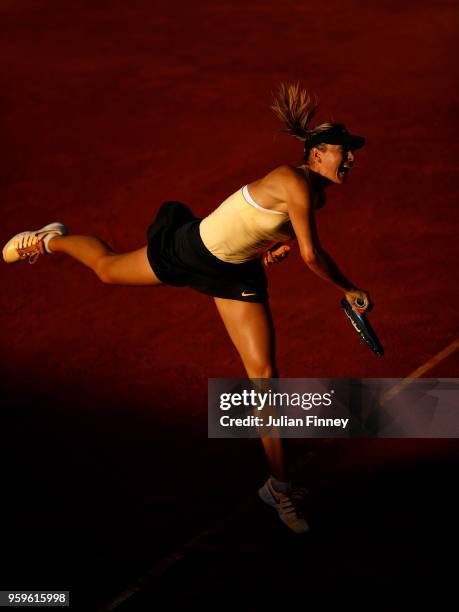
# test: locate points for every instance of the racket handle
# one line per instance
(360, 303)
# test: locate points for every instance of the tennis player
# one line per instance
(225, 255)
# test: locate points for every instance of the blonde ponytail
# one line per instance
(295, 107)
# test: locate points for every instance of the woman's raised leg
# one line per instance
(131, 268)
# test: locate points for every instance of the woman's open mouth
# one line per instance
(344, 170)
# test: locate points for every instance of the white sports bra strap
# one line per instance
(250, 200)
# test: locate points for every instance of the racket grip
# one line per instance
(359, 303)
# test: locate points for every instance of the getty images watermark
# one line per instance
(257, 401)
(307, 408)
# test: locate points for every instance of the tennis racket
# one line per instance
(362, 326)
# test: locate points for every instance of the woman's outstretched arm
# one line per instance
(297, 194)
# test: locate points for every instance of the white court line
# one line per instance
(441, 356)
(162, 566)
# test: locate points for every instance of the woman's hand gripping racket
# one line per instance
(275, 254)
(362, 325)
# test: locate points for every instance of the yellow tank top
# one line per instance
(240, 230)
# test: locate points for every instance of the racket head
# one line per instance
(362, 326)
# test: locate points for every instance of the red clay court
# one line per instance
(108, 110)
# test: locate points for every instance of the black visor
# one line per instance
(335, 135)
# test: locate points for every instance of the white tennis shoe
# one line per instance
(288, 506)
(30, 245)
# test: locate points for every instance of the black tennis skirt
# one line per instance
(179, 258)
